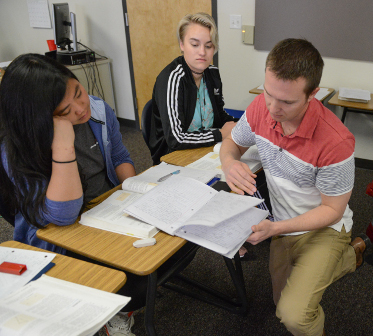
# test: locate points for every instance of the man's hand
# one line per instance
(239, 177)
(227, 129)
(261, 232)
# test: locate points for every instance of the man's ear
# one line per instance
(313, 94)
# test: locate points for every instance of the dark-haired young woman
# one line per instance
(59, 147)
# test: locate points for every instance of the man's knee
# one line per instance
(300, 320)
(290, 315)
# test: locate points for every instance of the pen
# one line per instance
(168, 175)
(213, 181)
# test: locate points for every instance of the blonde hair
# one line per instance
(202, 19)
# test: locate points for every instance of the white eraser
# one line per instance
(144, 242)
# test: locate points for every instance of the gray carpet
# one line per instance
(347, 303)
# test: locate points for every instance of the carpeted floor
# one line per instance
(347, 303)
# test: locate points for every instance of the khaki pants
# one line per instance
(301, 268)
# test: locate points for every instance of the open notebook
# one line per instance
(109, 214)
(189, 209)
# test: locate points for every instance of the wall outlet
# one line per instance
(235, 21)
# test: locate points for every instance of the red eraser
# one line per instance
(12, 268)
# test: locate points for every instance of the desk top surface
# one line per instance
(186, 156)
(111, 248)
(115, 249)
(344, 103)
(79, 271)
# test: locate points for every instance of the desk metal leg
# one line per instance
(237, 305)
(238, 281)
(150, 304)
(344, 115)
(234, 305)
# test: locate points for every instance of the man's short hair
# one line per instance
(293, 58)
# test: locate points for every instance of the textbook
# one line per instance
(50, 306)
(109, 215)
(211, 161)
(190, 209)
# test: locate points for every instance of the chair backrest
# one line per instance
(5, 213)
(146, 119)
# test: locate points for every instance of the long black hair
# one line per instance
(32, 87)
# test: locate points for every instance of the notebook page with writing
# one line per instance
(226, 237)
(221, 207)
(170, 204)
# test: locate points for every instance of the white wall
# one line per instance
(242, 69)
(100, 26)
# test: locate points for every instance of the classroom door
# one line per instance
(153, 41)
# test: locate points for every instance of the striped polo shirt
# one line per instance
(317, 158)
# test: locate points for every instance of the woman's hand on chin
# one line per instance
(63, 139)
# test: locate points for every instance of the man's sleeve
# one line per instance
(242, 134)
(337, 176)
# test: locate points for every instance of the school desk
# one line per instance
(79, 271)
(116, 250)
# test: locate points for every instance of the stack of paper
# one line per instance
(354, 95)
(50, 306)
(37, 263)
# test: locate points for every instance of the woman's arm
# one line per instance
(65, 184)
(215, 88)
(120, 156)
(125, 170)
(170, 112)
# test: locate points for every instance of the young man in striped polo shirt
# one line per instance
(308, 158)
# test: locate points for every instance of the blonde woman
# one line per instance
(187, 97)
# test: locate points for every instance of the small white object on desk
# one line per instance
(144, 242)
(320, 95)
(354, 95)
